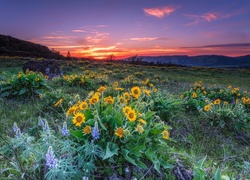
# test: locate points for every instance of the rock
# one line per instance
(181, 173)
(49, 68)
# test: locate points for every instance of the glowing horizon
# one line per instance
(127, 28)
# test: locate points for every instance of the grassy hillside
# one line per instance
(10, 46)
(205, 111)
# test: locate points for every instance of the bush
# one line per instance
(24, 85)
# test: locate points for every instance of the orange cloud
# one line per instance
(159, 12)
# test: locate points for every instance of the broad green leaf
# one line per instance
(149, 115)
(5, 94)
(111, 149)
(150, 154)
(88, 114)
(201, 162)
(23, 90)
(157, 165)
(125, 153)
(217, 175)
(166, 165)
(141, 164)
(78, 134)
(155, 131)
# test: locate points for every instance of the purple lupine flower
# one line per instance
(46, 126)
(18, 132)
(40, 122)
(15, 127)
(96, 132)
(65, 131)
(51, 161)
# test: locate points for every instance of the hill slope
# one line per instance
(10, 46)
(204, 60)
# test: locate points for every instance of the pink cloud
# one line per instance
(78, 30)
(159, 12)
(143, 39)
(208, 17)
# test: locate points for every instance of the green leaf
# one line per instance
(149, 115)
(6, 88)
(217, 175)
(150, 154)
(201, 162)
(23, 90)
(157, 165)
(166, 165)
(111, 149)
(5, 94)
(78, 134)
(125, 153)
(88, 114)
(141, 164)
(155, 131)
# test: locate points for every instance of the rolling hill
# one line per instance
(10, 46)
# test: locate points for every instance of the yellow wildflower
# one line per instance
(136, 92)
(83, 105)
(217, 101)
(194, 95)
(131, 115)
(109, 100)
(139, 128)
(142, 121)
(58, 103)
(78, 119)
(165, 134)
(71, 110)
(207, 107)
(93, 100)
(87, 130)
(119, 132)
(126, 109)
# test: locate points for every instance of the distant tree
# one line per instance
(111, 57)
(68, 56)
(135, 59)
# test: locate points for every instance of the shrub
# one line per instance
(24, 85)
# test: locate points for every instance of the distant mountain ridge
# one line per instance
(10, 46)
(202, 60)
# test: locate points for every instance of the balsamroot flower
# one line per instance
(58, 103)
(96, 132)
(83, 105)
(87, 130)
(165, 134)
(131, 115)
(139, 128)
(119, 132)
(65, 131)
(51, 161)
(78, 119)
(136, 92)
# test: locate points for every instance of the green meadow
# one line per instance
(113, 120)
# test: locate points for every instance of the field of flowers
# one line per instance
(107, 120)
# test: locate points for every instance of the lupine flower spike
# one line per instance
(65, 131)
(51, 161)
(95, 132)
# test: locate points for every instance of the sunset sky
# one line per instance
(125, 28)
